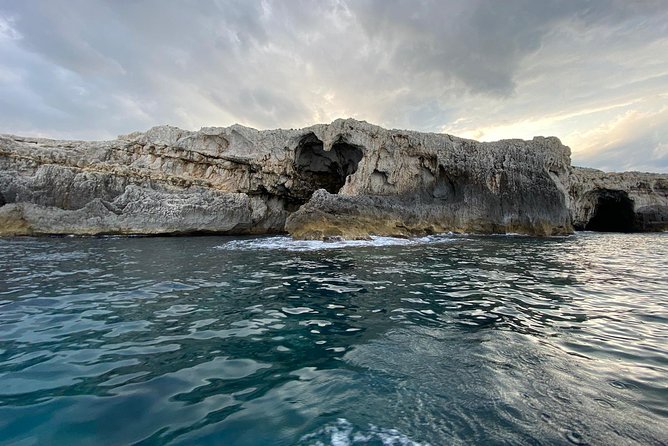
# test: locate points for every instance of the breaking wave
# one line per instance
(289, 244)
(343, 433)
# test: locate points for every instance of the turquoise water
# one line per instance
(265, 341)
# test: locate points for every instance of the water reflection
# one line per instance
(236, 341)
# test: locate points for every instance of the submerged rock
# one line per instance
(346, 179)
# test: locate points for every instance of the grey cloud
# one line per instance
(261, 104)
(480, 43)
(95, 68)
(637, 155)
(644, 151)
(128, 47)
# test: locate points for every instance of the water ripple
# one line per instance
(263, 340)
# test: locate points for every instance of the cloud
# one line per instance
(635, 140)
(477, 68)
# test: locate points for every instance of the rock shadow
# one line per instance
(445, 187)
(613, 212)
(318, 168)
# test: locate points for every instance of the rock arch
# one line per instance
(325, 169)
(612, 212)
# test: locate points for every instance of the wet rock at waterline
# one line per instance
(346, 179)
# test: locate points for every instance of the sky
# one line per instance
(592, 72)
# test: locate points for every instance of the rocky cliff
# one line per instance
(347, 178)
(624, 202)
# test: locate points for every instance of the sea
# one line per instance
(442, 340)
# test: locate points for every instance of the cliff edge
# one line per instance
(348, 178)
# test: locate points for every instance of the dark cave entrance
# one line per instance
(613, 212)
(321, 169)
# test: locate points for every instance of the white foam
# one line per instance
(290, 244)
(343, 433)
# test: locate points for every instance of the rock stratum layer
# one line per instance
(348, 178)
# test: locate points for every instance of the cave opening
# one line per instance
(322, 169)
(613, 212)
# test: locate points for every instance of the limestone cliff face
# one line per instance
(347, 178)
(626, 202)
(410, 183)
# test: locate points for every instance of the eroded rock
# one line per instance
(345, 179)
(619, 202)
